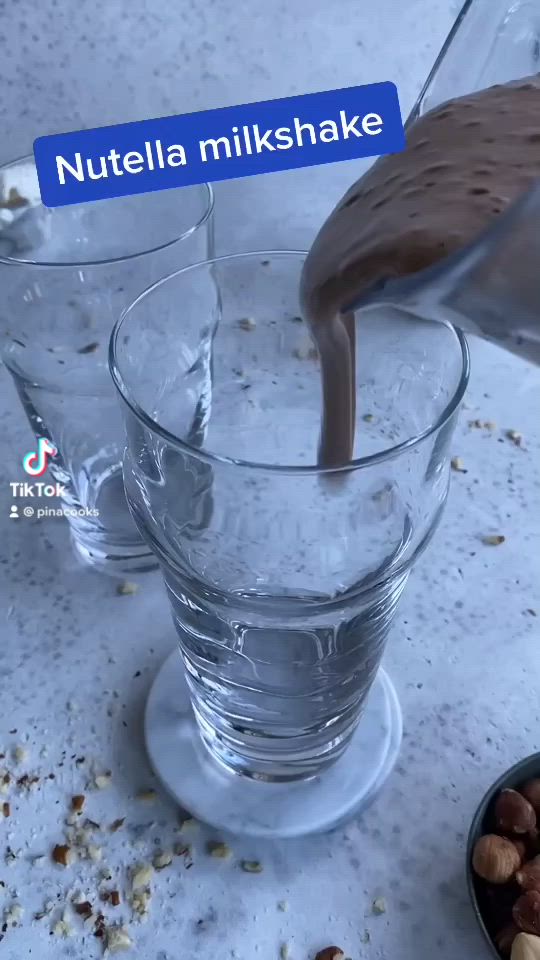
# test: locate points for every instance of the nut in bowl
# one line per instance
(503, 863)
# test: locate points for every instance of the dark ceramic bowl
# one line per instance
(479, 891)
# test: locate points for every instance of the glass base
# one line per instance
(114, 559)
(247, 807)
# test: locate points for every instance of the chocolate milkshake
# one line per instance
(465, 163)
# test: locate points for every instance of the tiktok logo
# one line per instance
(36, 462)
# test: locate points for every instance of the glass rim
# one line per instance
(107, 261)
(454, 29)
(207, 456)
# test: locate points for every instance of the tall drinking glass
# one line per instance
(65, 276)
(283, 577)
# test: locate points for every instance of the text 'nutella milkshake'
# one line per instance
(465, 163)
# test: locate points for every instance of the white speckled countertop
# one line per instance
(77, 660)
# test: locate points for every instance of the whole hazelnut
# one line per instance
(528, 876)
(495, 859)
(526, 912)
(531, 792)
(521, 848)
(505, 938)
(513, 813)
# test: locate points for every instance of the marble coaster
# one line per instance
(254, 808)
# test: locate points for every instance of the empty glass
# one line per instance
(283, 578)
(65, 276)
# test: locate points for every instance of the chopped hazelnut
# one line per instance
(20, 754)
(13, 915)
(84, 909)
(6, 809)
(515, 437)
(62, 854)
(493, 539)
(379, 906)
(162, 860)
(126, 589)
(114, 898)
(94, 853)
(77, 802)
(182, 850)
(219, 850)
(251, 866)
(140, 901)
(147, 796)
(103, 780)
(141, 876)
(117, 824)
(247, 323)
(117, 939)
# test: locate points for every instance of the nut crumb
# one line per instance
(13, 915)
(366, 937)
(305, 353)
(46, 911)
(84, 909)
(117, 939)
(182, 850)
(140, 901)
(379, 906)
(103, 780)
(162, 860)
(515, 437)
(330, 953)
(62, 928)
(490, 425)
(89, 348)
(39, 861)
(14, 200)
(77, 802)
(6, 809)
(251, 866)
(368, 418)
(284, 951)
(493, 539)
(94, 853)
(147, 796)
(117, 824)
(141, 876)
(219, 850)
(20, 754)
(5, 780)
(457, 464)
(126, 588)
(189, 823)
(62, 854)
(247, 323)
(89, 826)
(283, 905)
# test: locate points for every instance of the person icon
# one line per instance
(14, 512)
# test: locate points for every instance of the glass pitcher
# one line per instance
(489, 287)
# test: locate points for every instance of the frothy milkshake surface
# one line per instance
(465, 163)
